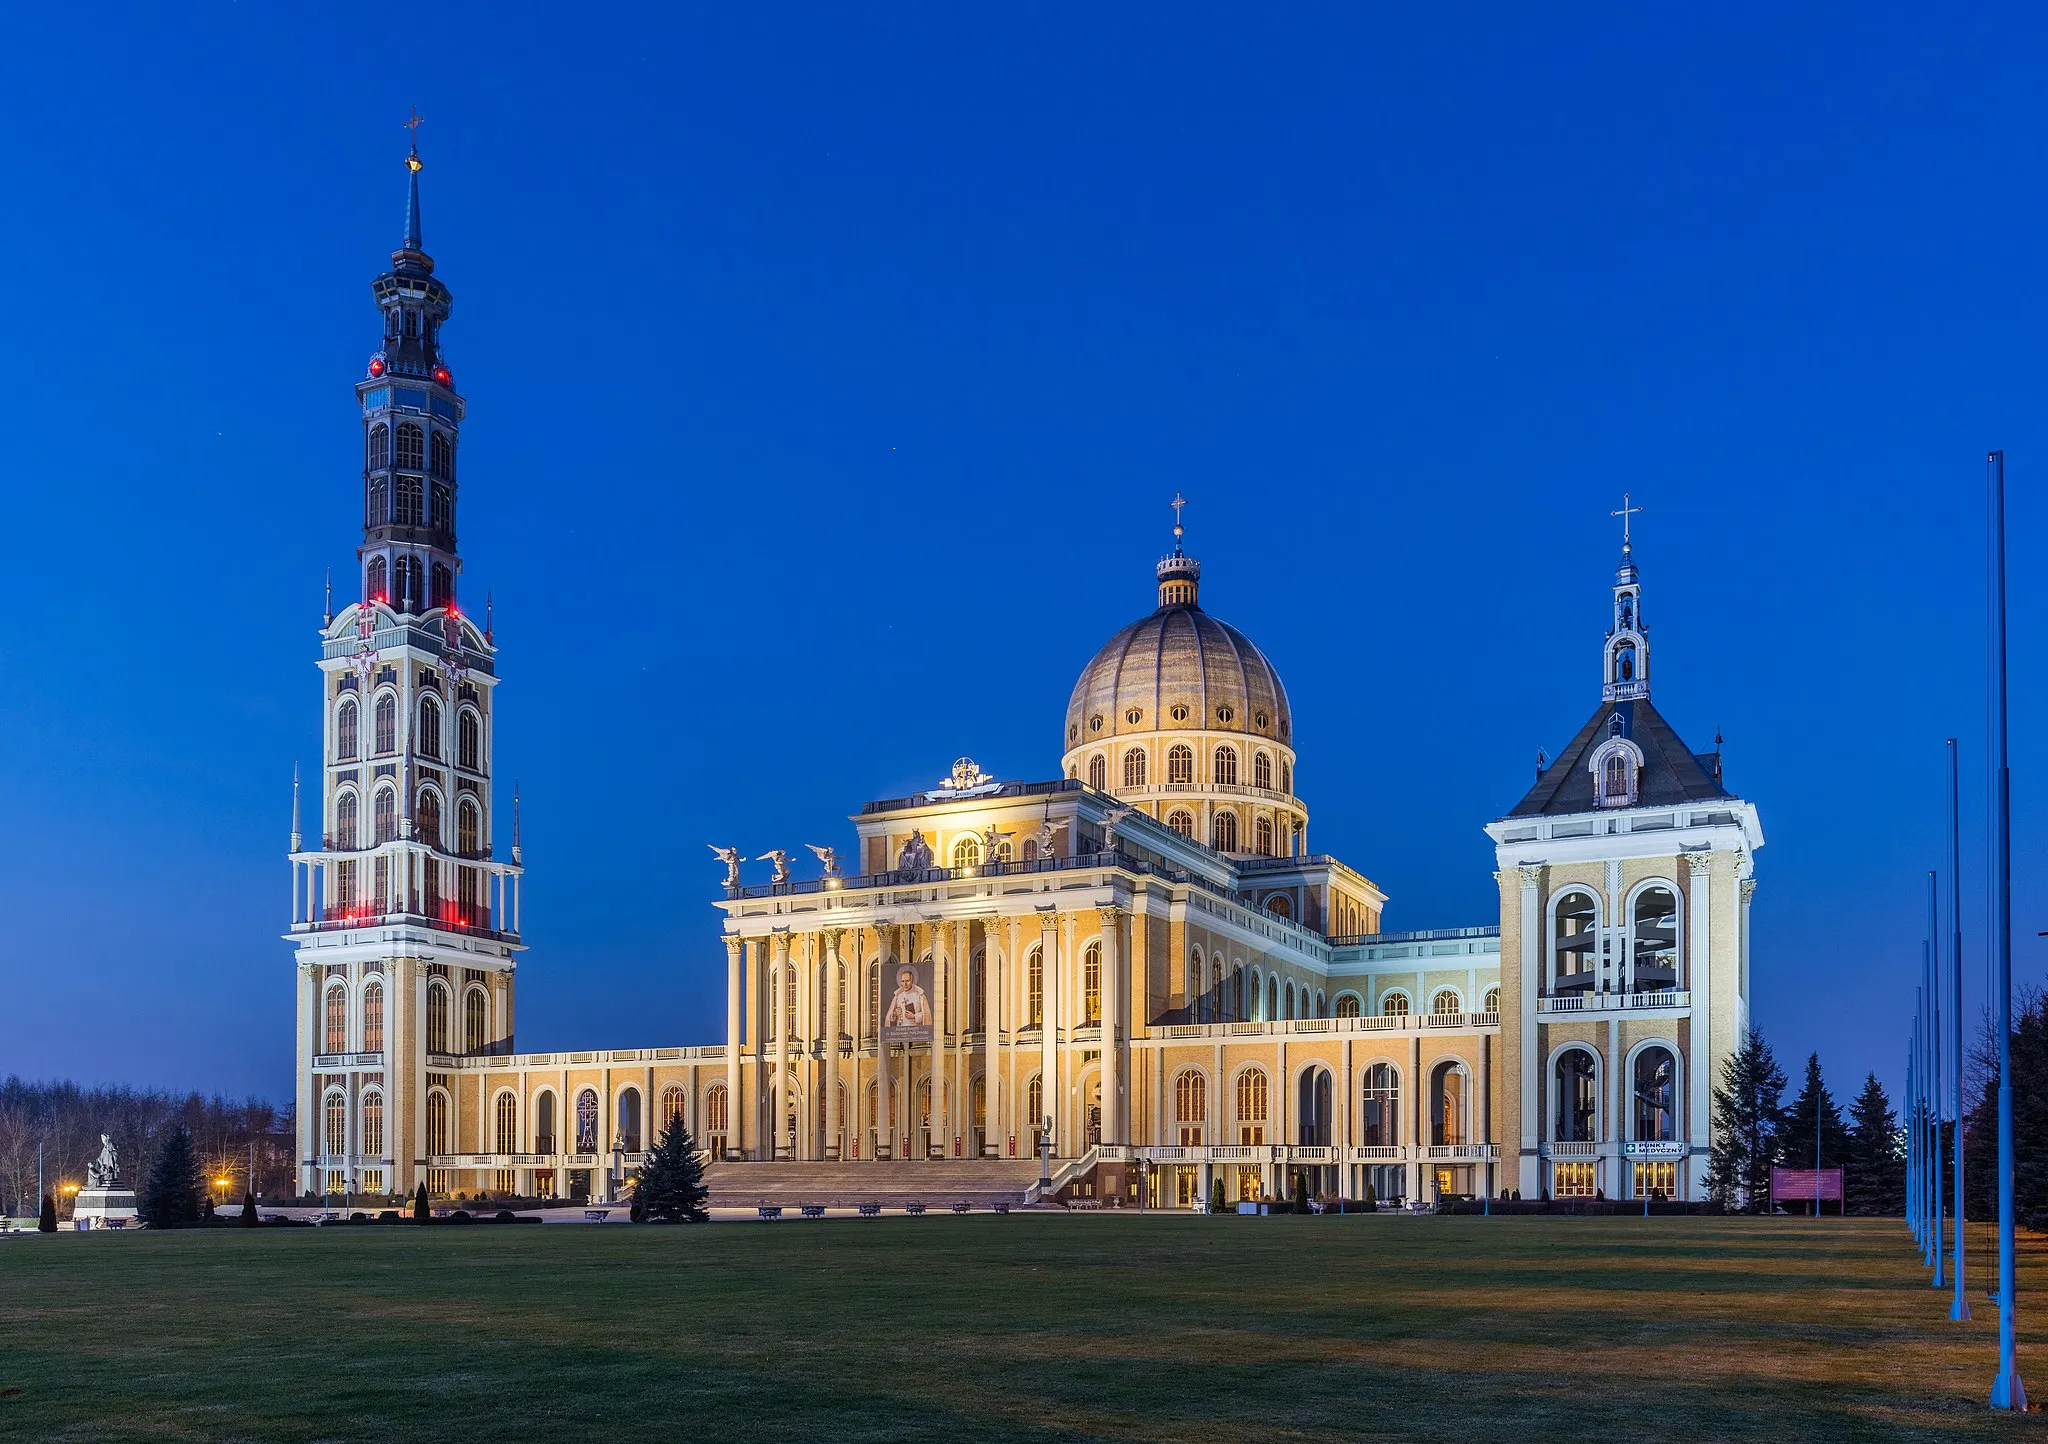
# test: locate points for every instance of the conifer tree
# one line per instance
(249, 1218)
(1876, 1183)
(1748, 1118)
(46, 1222)
(420, 1212)
(1796, 1141)
(171, 1197)
(669, 1186)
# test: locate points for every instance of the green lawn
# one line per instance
(1027, 1327)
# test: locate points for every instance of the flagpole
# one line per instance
(1934, 1050)
(1959, 1311)
(2007, 1390)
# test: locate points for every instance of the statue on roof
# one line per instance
(781, 860)
(732, 857)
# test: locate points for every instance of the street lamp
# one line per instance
(1045, 1158)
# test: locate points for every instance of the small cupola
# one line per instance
(1180, 575)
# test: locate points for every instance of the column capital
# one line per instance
(778, 942)
(832, 937)
(1748, 888)
(1696, 863)
(1531, 874)
(1110, 913)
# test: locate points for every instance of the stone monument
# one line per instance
(103, 1203)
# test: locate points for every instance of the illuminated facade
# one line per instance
(1137, 964)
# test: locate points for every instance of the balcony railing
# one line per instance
(1616, 1002)
(1396, 1023)
(471, 921)
(1571, 1150)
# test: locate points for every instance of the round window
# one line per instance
(1180, 711)
(1133, 716)
(1259, 718)
(1095, 723)
(1226, 715)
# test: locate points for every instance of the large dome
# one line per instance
(1178, 669)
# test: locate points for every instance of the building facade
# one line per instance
(1137, 967)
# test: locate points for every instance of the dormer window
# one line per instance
(1615, 782)
(1617, 768)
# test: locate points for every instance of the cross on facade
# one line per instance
(1625, 513)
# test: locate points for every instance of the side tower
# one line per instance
(406, 923)
(1625, 879)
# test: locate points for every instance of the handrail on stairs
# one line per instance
(1065, 1174)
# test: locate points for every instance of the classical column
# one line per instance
(1048, 1026)
(885, 1130)
(991, 1028)
(1112, 1024)
(1529, 1038)
(962, 1125)
(1482, 1107)
(1418, 1152)
(834, 1151)
(734, 948)
(942, 1003)
(778, 1017)
(1066, 1132)
(1699, 977)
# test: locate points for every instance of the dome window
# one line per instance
(1259, 719)
(1226, 715)
(1134, 716)
(1073, 732)
(1180, 712)
(1095, 723)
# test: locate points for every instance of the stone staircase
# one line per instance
(936, 1183)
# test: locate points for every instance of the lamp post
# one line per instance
(2007, 1392)
(1045, 1157)
(1960, 1309)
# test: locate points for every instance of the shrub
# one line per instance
(47, 1221)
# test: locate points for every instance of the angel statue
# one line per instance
(781, 860)
(1048, 833)
(992, 843)
(1110, 825)
(103, 1172)
(829, 856)
(732, 857)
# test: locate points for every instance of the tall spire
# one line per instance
(1180, 575)
(413, 165)
(1625, 662)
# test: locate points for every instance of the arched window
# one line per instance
(1134, 767)
(1098, 772)
(1615, 774)
(544, 1139)
(411, 446)
(430, 727)
(1262, 770)
(377, 507)
(628, 1136)
(1263, 831)
(840, 1025)
(387, 723)
(443, 588)
(466, 828)
(468, 739)
(1447, 1105)
(1280, 906)
(1182, 823)
(372, 1139)
(408, 494)
(437, 1124)
(345, 730)
(375, 589)
(1287, 778)
(1251, 1106)
(789, 1001)
(1190, 1108)
(1380, 1117)
(586, 1121)
(1574, 940)
(1625, 663)
(429, 817)
(1289, 1014)
(408, 576)
(441, 517)
(373, 1017)
(1444, 1003)
(1223, 832)
(671, 1106)
(1347, 1005)
(1492, 1003)
(1656, 1096)
(1314, 1106)
(335, 1123)
(1655, 943)
(506, 1123)
(385, 813)
(335, 1034)
(1578, 1097)
(1272, 998)
(474, 1005)
(380, 447)
(437, 1017)
(967, 853)
(345, 831)
(1034, 989)
(1180, 766)
(714, 1120)
(1226, 766)
(1394, 1005)
(1091, 984)
(1034, 1104)
(441, 456)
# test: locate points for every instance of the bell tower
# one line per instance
(405, 918)
(1626, 660)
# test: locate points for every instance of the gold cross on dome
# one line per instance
(414, 124)
(1625, 513)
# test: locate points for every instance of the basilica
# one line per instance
(1132, 979)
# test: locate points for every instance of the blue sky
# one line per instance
(828, 375)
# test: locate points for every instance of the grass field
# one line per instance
(1027, 1327)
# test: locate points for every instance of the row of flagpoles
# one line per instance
(1934, 1055)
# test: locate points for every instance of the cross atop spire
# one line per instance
(1180, 575)
(1179, 531)
(1625, 513)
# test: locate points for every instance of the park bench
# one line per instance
(915, 1210)
(813, 1210)
(596, 1215)
(1001, 1206)
(1074, 1203)
(770, 1210)
(870, 1210)
(962, 1207)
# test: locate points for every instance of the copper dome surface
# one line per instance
(1178, 657)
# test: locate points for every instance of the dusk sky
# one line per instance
(829, 375)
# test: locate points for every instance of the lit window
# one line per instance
(1251, 1106)
(437, 1017)
(1444, 1003)
(967, 853)
(373, 1018)
(1226, 766)
(373, 1125)
(337, 1019)
(1264, 830)
(437, 1123)
(466, 828)
(1034, 990)
(1262, 770)
(1134, 767)
(1394, 1005)
(1190, 1108)
(1347, 1005)
(505, 1114)
(1180, 767)
(1091, 984)
(336, 1123)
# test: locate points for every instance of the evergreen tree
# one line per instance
(669, 1186)
(1749, 1115)
(1876, 1182)
(421, 1213)
(249, 1218)
(47, 1222)
(1300, 1193)
(1795, 1142)
(171, 1197)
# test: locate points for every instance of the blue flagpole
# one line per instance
(1934, 1070)
(1913, 1123)
(2007, 1391)
(1960, 1309)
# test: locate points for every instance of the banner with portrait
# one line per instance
(907, 1002)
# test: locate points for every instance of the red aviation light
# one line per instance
(376, 366)
(441, 375)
